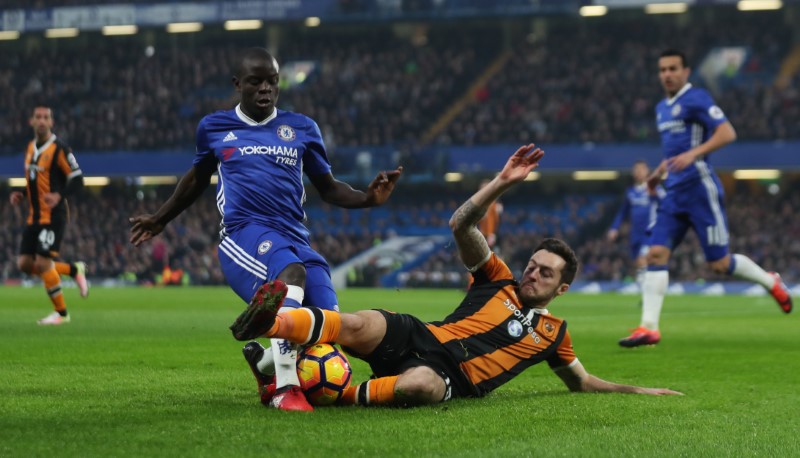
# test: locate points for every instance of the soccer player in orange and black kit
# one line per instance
(52, 174)
(501, 328)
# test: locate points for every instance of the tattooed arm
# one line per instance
(472, 246)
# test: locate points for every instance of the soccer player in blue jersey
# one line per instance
(260, 154)
(639, 206)
(692, 126)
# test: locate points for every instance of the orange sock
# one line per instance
(52, 281)
(306, 325)
(379, 391)
(63, 268)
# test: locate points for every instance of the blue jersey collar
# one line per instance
(250, 122)
(683, 90)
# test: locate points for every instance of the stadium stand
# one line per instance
(374, 90)
(763, 225)
(570, 80)
(579, 82)
(40, 4)
(596, 83)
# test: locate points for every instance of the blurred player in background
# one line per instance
(260, 154)
(501, 328)
(489, 225)
(639, 206)
(692, 126)
(52, 174)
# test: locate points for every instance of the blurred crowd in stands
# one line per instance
(766, 227)
(565, 80)
(39, 4)
(368, 89)
(378, 90)
(763, 226)
(595, 84)
(570, 80)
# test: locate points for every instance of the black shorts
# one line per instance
(407, 344)
(42, 239)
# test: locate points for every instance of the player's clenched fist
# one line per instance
(16, 198)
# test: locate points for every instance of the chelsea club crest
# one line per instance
(286, 133)
(264, 247)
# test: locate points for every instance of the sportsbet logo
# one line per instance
(522, 320)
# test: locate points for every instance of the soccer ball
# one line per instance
(324, 374)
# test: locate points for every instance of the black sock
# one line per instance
(62, 312)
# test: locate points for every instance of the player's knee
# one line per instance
(294, 274)
(362, 331)
(354, 323)
(657, 255)
(42, 264)
(25, 264)
(420, 385)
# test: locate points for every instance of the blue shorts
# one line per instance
(699, 205)
(639, 248)
(253, 255)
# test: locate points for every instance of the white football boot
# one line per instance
(53, 319)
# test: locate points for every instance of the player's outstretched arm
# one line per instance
(341, 194)
(472, 245)
(193, 183)
(578, 380)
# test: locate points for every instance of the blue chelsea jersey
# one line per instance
(685, 121)
(260, 166)
(640, 206)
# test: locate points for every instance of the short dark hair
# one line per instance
(254, 53)
(561, 248)
(672, 52)
(36, 106)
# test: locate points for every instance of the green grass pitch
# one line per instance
(155, 372)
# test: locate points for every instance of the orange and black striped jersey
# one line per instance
(48, 168)
(494, 337)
